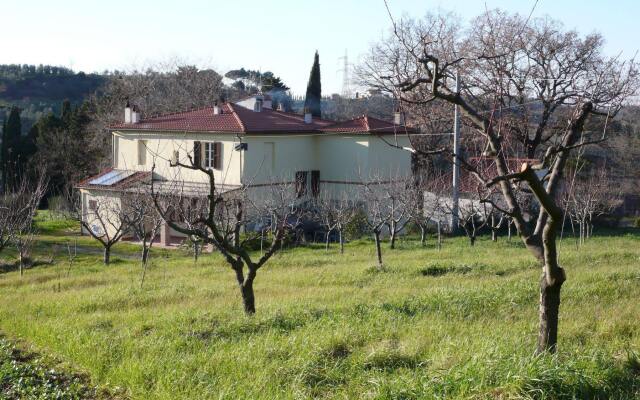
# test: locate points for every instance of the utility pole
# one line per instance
(346, 89)
(455, 196)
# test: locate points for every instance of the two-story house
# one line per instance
(248, 143)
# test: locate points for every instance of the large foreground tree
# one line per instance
(526, 89)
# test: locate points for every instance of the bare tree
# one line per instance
(220, 217)
(427, 204)
(334, 214)
(589, 197)
(375, 205)
(104, 218)
(143, 220)
(471, 218)
(17, 210)
(507, 64)
(496, 219)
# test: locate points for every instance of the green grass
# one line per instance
(456, 323)
(25, 375)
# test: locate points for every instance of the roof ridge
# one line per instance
(235, 114)
(301, 116)
(176, 112)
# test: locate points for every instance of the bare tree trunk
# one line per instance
(341, 242)
(144, 273)
(196, 252)
(145, 252)
(21, 262)
(472, 239)
(509, 230)
(553, 277)
(326, 244)
(392, 235)
(248, 299)
(246, 287)
(423, 236)
(548, 314)
(376, 236)
(439, 236)
(581, 232)
(494, 236)
(107, 255)
(261, 241)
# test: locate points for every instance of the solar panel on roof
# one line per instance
(111, 177)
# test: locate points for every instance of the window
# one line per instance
(213, 155)
(142, 152)
(93, 205)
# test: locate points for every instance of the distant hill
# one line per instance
(41, 89)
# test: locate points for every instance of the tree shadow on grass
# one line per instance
(30, 264)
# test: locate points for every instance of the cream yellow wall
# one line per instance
(388, 161)
(160, 147)
(109, 204)
(276, 158)
(343, 159)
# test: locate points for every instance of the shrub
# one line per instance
(357, 227)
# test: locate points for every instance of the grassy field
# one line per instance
(455, 323)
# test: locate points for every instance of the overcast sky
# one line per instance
(276, 35)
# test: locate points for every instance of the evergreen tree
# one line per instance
(65, 115)
(63, 147)
(314, 89)
(3, 153)
(11, 137)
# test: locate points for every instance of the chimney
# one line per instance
(216, 109)
(307, 116)
(135, 115)
(257, 106)
(398, 117)
(127, 113)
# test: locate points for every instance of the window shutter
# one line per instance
(315, 183)
(197, 154)
(217, 155)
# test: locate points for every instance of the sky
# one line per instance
(276, 35)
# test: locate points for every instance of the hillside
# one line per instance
(41, 89)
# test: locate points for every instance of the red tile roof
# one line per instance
(238, 119)
(367, 124)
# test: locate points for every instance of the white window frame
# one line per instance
(208, 154)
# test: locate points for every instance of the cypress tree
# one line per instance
(11, 140)
(314, 89)
(65, 115)
(4, 153)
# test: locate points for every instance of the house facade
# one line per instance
(248, 144)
